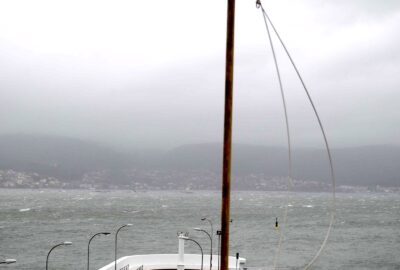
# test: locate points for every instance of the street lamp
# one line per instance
(209, 235)
(48, 254)
(8, 261)
(209, 221)
(201, 249)
(90, 240)
(116, 237)
(219, 243)
(219, 233)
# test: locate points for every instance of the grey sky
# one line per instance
(151, 73)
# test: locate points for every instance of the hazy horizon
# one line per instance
(132, 148)
(151, 75)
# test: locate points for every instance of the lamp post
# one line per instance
(116, 237)
(88, 246)
(219, 243)
(209, 236)
(212, 232)
(48, 254)
(209, 221)
(219, 233)
(201, 249)
(8, 261)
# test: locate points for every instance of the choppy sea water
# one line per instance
(366, 234)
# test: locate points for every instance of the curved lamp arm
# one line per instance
(115, 247)
(88, 247)
(201, 249)
(67, 243)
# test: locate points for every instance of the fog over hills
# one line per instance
(60, 157)
(70, 159)
(367, 165)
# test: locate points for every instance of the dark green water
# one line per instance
(366, 233)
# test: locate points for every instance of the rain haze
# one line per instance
(150, 74)
(111, 123)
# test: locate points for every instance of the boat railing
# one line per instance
(126, 267)
(140, 268)
(265, 268)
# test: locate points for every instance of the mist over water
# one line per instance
(365, 235)
(139, 79)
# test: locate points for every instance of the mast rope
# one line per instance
(332, 172)
(289, 144)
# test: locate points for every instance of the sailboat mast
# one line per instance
(227, 148)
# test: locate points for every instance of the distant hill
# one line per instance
(368, 165)
(60, 157)
(69, 159)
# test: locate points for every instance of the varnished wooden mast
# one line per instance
(226, 169)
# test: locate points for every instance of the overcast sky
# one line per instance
(151, 73)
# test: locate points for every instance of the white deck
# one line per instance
(170, 261)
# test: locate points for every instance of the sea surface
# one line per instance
(366, 234)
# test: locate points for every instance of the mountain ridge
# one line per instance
(70, 159)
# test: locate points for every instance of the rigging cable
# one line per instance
(333, 210)
(290, 167)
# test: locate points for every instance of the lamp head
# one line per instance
(203, 218)
(67, 243)
(105, 233)
(197, 229)
(129, 225)
(8, 261)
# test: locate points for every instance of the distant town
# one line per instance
(175, 180)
